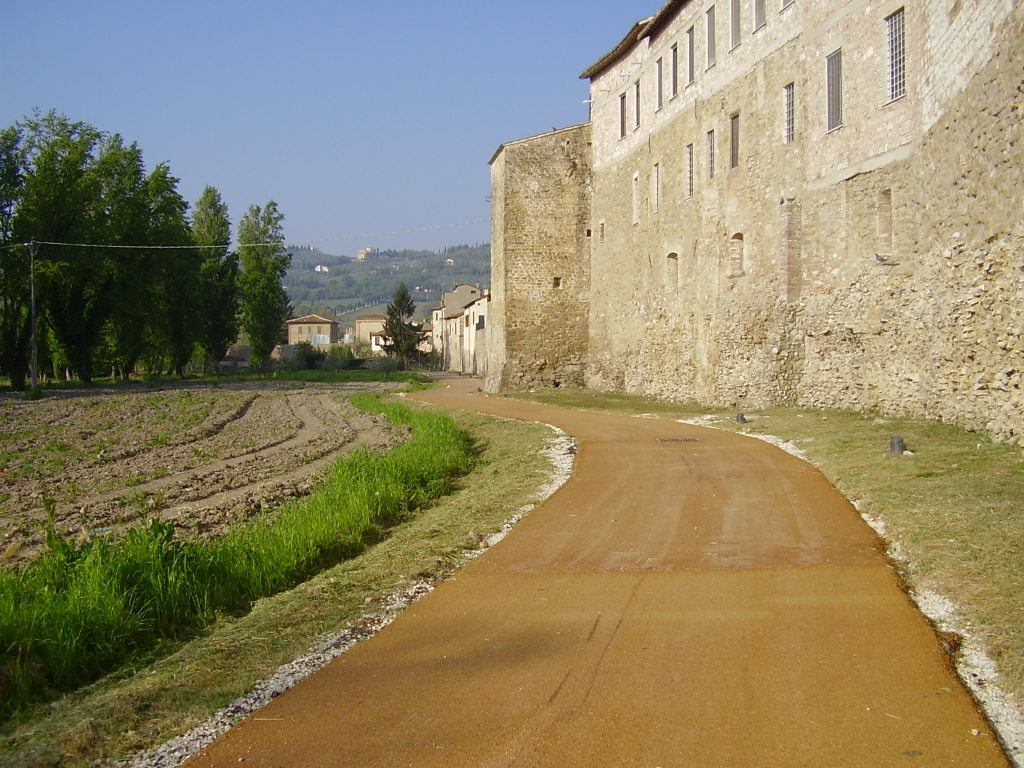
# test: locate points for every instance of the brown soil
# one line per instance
(690, 597)
(198, 455)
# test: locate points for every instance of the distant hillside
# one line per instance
(349, 285)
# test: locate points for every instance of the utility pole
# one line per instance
(34, 358)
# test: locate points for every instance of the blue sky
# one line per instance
(363, 120)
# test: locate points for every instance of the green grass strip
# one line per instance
(86, 609)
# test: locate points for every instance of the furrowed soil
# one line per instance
(200, 455)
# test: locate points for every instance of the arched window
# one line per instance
(672, 272)
(884, 217)
(736, 264)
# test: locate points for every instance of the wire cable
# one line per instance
(365, 236)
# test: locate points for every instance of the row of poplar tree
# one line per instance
(125, 276)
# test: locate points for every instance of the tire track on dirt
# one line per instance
(273, 445)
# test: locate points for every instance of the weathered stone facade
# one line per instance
(540, 261)
(459, 330)
(877, 263)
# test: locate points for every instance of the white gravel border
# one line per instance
(560, 451)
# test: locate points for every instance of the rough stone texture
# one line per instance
(540, 271)
(876, 266)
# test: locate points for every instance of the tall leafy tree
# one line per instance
(121, 180)
(402, 335)
(61, 202)
(264, 263)
(14, 264)
(218, 274)
(178, 301)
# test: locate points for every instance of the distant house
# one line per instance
(379, 340)
(318, 331)
(378, 343)
(426, 344)
(458, 329)
(366, 325)
(236, 359)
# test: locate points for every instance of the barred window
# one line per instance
(636, 104)
(897, 56)
(655, 188)
(789, 113)
(661, 87)
(734, 20)
(711, 36)
(734, 141)
(759, 20)
(834, 89)
(636, 198)
(691, 54)
(711, 153)
(675, 70)
(689, 170)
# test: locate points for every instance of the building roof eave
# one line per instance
(625, 45)
(643, 28)
(501, 148)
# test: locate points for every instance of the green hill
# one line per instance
(347, 286)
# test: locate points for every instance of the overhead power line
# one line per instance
(364, 236)
(150, 247)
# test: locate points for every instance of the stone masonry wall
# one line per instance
(540, 264)
(876, 266)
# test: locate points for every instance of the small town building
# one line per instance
(317, 330)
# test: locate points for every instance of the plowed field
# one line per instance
(202, 456)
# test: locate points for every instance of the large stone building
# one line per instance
(815, 202)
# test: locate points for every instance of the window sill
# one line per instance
(833, 130)
(890, 102)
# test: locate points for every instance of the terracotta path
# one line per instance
(689, 599)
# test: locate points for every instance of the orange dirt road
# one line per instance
(691, 598)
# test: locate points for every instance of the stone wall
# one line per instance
(540, 261)
(876, 266)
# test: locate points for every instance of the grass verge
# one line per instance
(144, 705)
(952, 507)
(85, 609)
